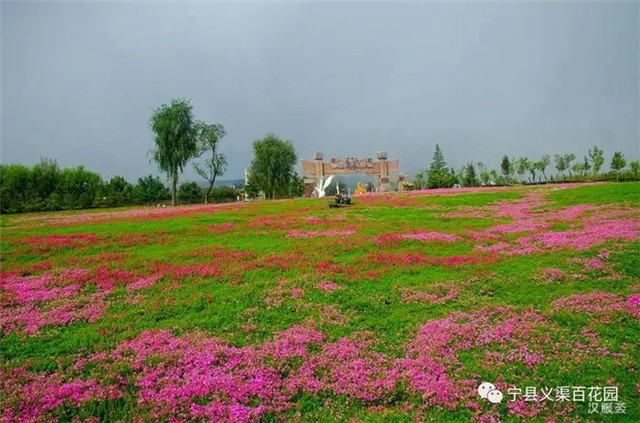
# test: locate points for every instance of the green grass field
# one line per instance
(394, 309)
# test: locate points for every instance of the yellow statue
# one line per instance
(360, 189)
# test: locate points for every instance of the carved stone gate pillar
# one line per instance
(317, 158)
(383, 178)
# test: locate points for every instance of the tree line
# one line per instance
(523, 170)
(48, 187)
(181, 139)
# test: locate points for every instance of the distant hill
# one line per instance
(237, 183)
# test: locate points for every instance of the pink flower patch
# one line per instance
(31, 302)
(36, 289)
(328, 286)
(599, 303)
(30, 318)
(143, 283)
(592, 234)
(49, 242)
(196, 377)
(44, 392)
(594, 264)
(509, 228)
(551, 274)
(633, 304)
(570, 213)
(525, 409)
(297, 292)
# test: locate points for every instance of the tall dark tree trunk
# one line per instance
(174, 185)
(206, 194)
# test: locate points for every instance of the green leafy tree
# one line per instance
(578, 168)
(618, 162)
(560, 164)
(45, 177)
(568, 158)
(485, 176)
(150, 190)
(118, 192)
(459, 175)
(78, 188)
(452, 178)
(493, 175)
(532, 171)
(189, 193)
(296, 188)
(419, 181)
(541, 165)
(586, 165)
(14, 178)
(512, 169)
(224, 194)
(563, 162)
(470, 179)
(438, 175)
(251, 189)
(272, 167)
(505, 167)
(596, 156)
(208, 138)
(175, 138)
(635, 168)
(522, 166)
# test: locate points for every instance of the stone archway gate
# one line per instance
(319, 169)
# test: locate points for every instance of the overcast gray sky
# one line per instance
(79, 81)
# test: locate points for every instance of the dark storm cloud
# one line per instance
(79, 81)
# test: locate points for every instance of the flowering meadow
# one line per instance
(394, 309)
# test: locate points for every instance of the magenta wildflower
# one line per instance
(143, 283)
(327, 286)
(633, 304)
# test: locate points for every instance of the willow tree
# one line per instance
(272, 169)
(216, 164)
(175, 137)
